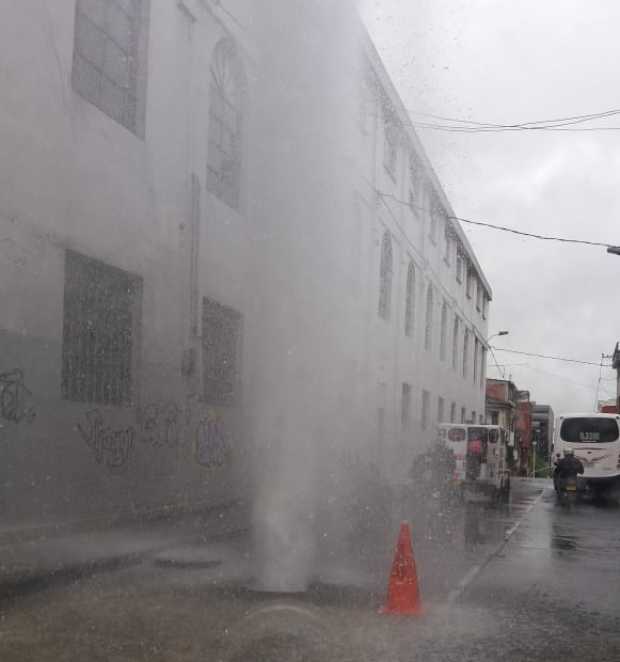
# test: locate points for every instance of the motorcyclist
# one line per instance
(568, 467)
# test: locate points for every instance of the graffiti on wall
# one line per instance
(160, 425)
(112, 448)
(15, 398)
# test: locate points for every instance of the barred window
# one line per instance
(101, 321)
(225, 123)
(386, 270)
(410, 301)
(221, 337)
(109, 58)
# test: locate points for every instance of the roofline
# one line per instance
(390, 89)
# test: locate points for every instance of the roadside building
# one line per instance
(542, 422)
(501, 408)
(524, 433)
(186, 288)
(609, 406)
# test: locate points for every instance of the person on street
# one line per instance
(568, 467)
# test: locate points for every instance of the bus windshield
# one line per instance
(589, 430)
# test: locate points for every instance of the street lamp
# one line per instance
(496, 335)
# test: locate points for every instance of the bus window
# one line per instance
(457, 434)
(588, 430)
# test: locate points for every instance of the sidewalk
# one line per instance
(37, 562)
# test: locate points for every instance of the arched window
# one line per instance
(428, 335)
(385, 276)
(410, 301)
(444, 332)
(225, 122)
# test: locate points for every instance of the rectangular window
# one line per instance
(435, 221)
(390, 150)
(443, 339)
(494, 418)
(465, 353)
(478, 295)
(459, 265)
(476, 351)
(453, 412)
(470, 283)
(448, 254)
(109, 58)
(405, 407)
(426, 403)
(101, 323)
(481, 419)
(485, 306)
(463, 415)
(483, 367)
(473, 417)
(455, 342)
(221, 340)
(440, 409)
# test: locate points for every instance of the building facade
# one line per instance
(188, 294)
(543, 420)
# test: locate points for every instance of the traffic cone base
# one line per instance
(403, 595)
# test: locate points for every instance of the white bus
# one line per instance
(480, 453)
(595, 439)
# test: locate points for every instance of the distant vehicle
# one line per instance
(595, 439)
(480, 452)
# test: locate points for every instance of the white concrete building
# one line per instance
(185, 288)
(428, 305)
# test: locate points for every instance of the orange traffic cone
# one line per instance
(403, 592)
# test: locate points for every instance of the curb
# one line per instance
(15, 586)
(471, 575)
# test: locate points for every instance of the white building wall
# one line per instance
(71, 178)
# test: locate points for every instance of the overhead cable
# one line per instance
(553, 358)
(502, 228)
(471, 126)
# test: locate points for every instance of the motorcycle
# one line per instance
(567, 492)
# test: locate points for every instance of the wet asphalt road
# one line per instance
(549, 593)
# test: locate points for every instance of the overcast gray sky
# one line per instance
(505, 61)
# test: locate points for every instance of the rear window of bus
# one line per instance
(589, 430)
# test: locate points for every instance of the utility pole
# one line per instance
(600, 372)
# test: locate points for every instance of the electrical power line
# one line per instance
(502, 228)
(586, 117)
(558, 124)
(553, 358)
(531, 234)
